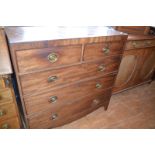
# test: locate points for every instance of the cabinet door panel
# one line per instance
(128, 69)
(148, 64)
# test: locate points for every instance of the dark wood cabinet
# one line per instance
(137, 64)
(9, 115)
(147, 65)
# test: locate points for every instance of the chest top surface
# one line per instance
(33, 34)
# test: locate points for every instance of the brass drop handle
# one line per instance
(5, 126)
(96, 101)
(134, 44)
(147, 42)
(54, 116)
(52, 78)
(53, 99)
(6, 81)
(106, 50)
(2, 113)
(98, 85)
(53, 57)
(101, 68)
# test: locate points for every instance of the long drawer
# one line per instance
(69, 94)
(7, 111)
(38, 59)
(35, 82)
(5, 96)
(61, 115)
(139, 44)
(100, 50)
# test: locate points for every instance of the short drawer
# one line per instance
(7, 111)
(43, 101)
(35, 82)
(54, 117)
(139, 44)
(12, 123)
(5, 96)
(99, 50)
(38, 59)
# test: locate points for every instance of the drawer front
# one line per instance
(5, 96)
(7, 111)
(67, 94)
(12, 123)
(58, 116)
(33, 83)
(38, 59)
(100, 50)
(139, 44)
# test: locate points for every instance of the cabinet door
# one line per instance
(128, 69)
(147, 66)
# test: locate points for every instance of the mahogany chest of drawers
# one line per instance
(9, 116)
(64, 73)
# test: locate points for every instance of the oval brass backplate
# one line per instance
(106, 50)
(52, 78)
(2, 113)
(5, 126)
(53, 57)
(53, 99)
(98, 85)
(54, 116)
(101, 68)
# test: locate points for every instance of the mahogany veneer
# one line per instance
(9, 116)
(64, 73)
(138, 62)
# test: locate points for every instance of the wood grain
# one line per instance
(6, 96)
(130, 64)
(147, 66)
(134, 29)
(33, 60)
(8, 110)
(12, 123)
(95, 51)
(40, 102)
(139, 44)
(139, 59)
(69, 112)
(35, 82)
(36, 34)
(77, 76)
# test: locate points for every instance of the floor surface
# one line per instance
(131, 109)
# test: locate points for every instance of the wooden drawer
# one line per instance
(38, 59)
(6, 96)
(7, 111)
(54, 117)
(139, 44)
(33, 83)
(12, 123)
(100, 50)
(69, 94)
(134, 29)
